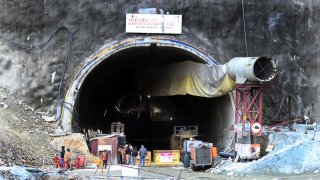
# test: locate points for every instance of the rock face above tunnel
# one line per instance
(288, 31)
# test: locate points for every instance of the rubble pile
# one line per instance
(294, 153)
(77, 144)
(24, 135)
(13, 153)
(15, 172)
(75, 141)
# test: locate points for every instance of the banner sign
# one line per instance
(105, 147)
(154, 23)
(166, 157)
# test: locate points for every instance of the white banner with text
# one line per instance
(154, 23)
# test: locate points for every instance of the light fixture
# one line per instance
(117, 108)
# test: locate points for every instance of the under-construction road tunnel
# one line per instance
(115, 91)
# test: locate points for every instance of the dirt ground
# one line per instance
(115, 172)
(24, 135)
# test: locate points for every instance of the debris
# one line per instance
(3, 96)
(58, 132)
(22, 135)
(215, 171)
(48, 118)
(3, 105)
(76, 142)
(52, 77)
(15, 172)
(293, 153)
(269, 148)
(230, 173)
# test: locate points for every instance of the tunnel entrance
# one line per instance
(110, 93)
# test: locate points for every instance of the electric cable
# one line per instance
(244, 29)
(280, 107)
(31, 48)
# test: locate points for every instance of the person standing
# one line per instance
(104, 158)
(128, 154)
(67, 158)
(62, 157)
(143, 153)
(134, 154)
(56, 161)
(120, 154)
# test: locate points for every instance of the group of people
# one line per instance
(64, 160)
(128, 155)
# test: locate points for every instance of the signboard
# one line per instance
(154, 23)
(166, 157)
(105, 147)
(256, 128)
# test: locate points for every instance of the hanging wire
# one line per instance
(280, 107)
(244, 29)
(43, 47)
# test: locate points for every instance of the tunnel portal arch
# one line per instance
(117, 47)
(112, 48)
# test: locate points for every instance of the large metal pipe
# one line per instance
(242, 69)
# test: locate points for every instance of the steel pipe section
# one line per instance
(260, 69)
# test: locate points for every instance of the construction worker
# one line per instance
(134, 154)
(62, 157)
(104, 158)
(67, 159)
(121, 151)
(56, 161)
(143, 153)
(128, 154)
(120, 154)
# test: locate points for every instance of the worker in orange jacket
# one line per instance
(104, 158)
(56, 161)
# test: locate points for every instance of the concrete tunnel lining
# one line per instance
(217, 108)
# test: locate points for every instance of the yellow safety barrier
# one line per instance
(166, 157)
(147, 160)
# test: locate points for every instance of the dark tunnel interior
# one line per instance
(110, 94)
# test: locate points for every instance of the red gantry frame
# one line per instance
(248, 104)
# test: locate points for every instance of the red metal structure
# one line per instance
(248, 104)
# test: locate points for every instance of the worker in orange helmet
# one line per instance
(104, 158)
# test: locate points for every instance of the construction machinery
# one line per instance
(202, 156)
(250, 73)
